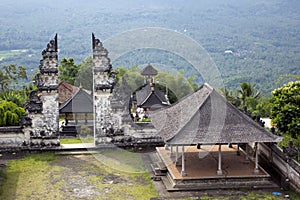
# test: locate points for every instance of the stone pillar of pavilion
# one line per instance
(41, 125)
(103, 84)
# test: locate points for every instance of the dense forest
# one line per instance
(254, 41)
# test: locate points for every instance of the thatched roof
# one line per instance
(81, 102)
(205, 117)
(149, 71)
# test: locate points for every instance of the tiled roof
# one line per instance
(81, 102)
(66, 91)
(149, 71)
(205, 117)
(148, 98)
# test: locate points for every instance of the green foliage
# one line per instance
(10, 75)
(262, 51)
(85, 74)
(245, 96)
(286, 108)
(15, 96)
(171, 96)
(230, 97)
(257, 105)
(67, 70)
(178, 85)
(264, 106)
(10, 113)
(132, 76)
(248, 94)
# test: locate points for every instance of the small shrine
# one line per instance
(148, 98)
(76, 111)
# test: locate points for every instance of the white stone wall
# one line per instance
(11, 139)
(102, 111)
(50, 112)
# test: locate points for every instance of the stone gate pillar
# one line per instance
(103, 84)
(41, 125)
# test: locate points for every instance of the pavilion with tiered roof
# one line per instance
(206, 123)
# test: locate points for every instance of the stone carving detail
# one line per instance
(104, 82)
(26, 120)
(41, 121)
(49, 62)
(34, 104)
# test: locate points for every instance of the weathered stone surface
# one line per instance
(40, 126)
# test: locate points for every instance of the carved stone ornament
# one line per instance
(34, 104)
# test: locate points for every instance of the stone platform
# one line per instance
(201, 170)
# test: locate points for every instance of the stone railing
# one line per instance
(287, 171)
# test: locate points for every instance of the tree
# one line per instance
(85, 74)
(264, 107)
(132, 75)
(230, 97)
(177, 83)
(67, 70)
(248, 95)
(10, 113)
(286, 109)
(10, 75)
(14, 96)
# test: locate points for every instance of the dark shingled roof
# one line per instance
(81, 102)
(205, 117)
(149, 71)
(148, 98)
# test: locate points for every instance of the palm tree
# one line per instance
(247, 90)
(230, 97)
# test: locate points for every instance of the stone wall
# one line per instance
(285, 170)
(11, 137)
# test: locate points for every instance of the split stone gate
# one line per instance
(112, 124)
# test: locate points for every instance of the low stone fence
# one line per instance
(285, 170)
(11, 137)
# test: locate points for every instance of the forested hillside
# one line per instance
(249, 40)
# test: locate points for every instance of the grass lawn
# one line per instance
(77, 140)
(49, 176)
(109, 174)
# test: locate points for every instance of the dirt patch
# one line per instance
(75, 181)
(141, 180)
(113, 179)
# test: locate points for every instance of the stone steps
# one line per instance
(217, 183)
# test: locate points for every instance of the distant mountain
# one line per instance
(249, 40)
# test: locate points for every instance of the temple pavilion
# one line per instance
(197, 132)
